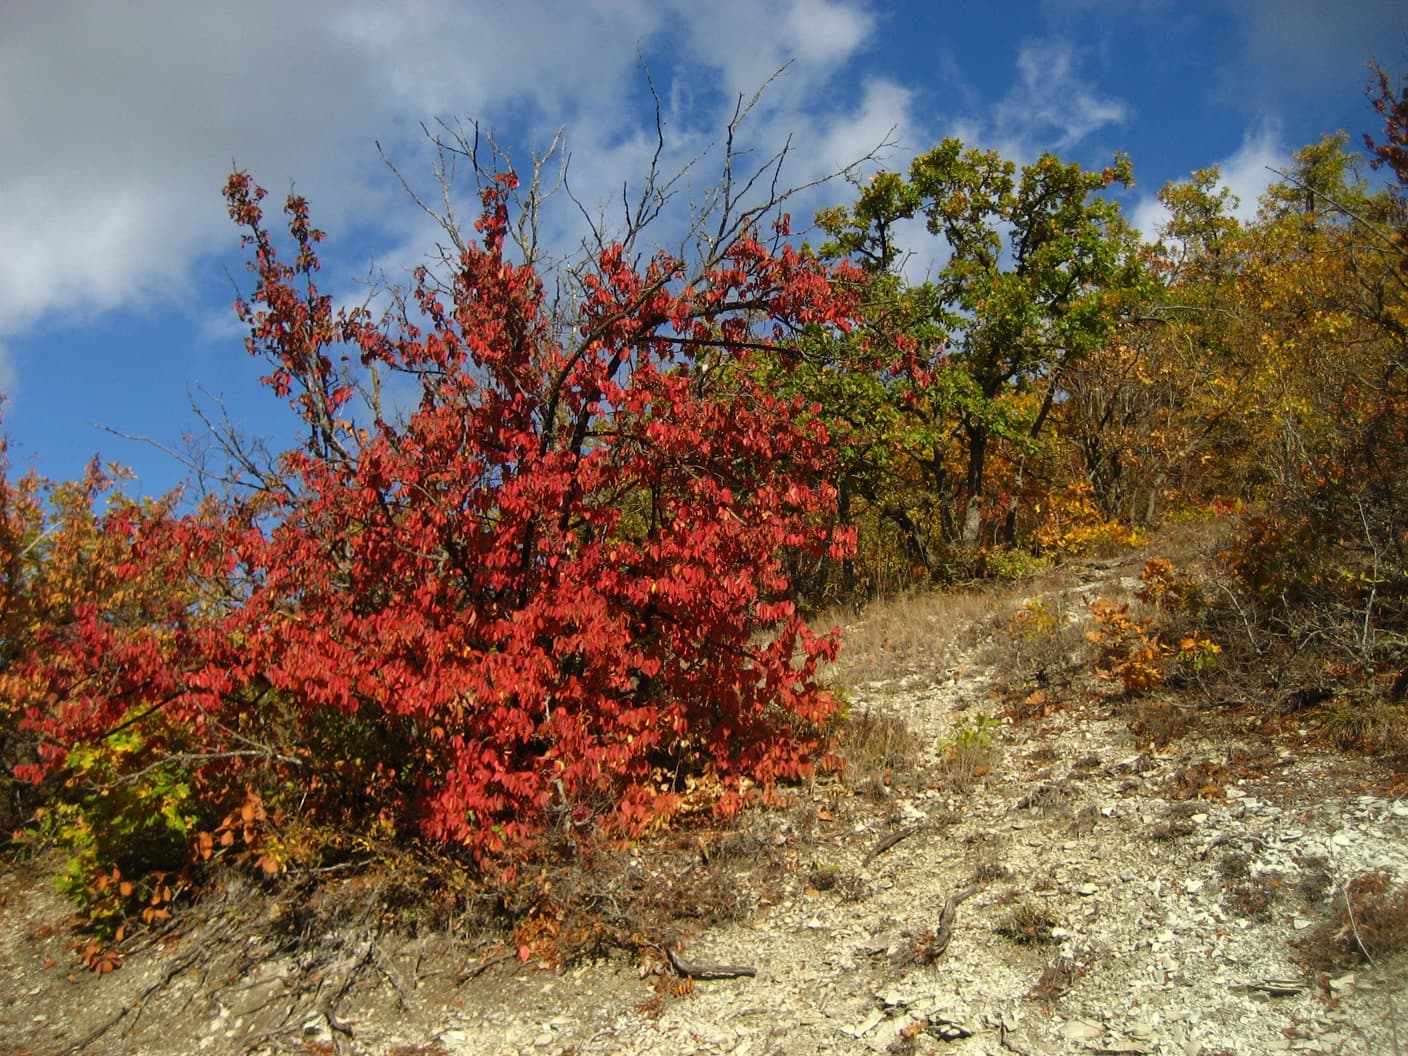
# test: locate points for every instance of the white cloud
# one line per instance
(8, 376)
(1051, 107)
(747, 41)
(1148, 216)
(438, 57)
(113, 167)
(122, 119)
(883, 114)
(1246, 172)
(826, 33)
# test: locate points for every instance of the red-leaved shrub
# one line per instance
(553, 593)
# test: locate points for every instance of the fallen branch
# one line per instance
(708, 971)
(135, 1007)
(1002, 1039)
(363, 958)
(935, 948)
(387, 967)
(483, 966)
(890, 840)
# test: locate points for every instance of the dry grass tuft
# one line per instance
(1041, 639)
(1027, 924)
(1160, 721)
(877, 747)
(916, 634)
(1368, 920)
(1367, 722)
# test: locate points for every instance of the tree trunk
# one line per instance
(973, 509)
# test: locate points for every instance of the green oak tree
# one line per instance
(1033, 271)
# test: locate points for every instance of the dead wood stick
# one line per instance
(708, 971)
(479, 969)
(337, 1025)
(249, 1041)
(889, 841)
(178, 966)
(387, 967)
(944, 931)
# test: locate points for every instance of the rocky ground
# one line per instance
(1052, 883)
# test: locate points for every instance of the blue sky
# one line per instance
(121, 119)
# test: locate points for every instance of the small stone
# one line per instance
(950, 1031)
(1291, 835)
(888, 1035)
(1082, 1030)
(1087, 889)
(866, 1025)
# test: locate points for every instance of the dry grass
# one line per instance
(1042, 638)
(877, 747)
(1160, 721)
(1367, 921)
(1367, 722)
(1027, 924)
(916, 634)
(930, 634)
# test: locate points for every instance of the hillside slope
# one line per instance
(1021, 859)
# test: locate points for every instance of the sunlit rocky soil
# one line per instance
(1021, 859)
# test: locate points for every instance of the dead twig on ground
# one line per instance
(483, 966)
(708, 971)
(889, 841)
(177, 967)
(930, 947)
